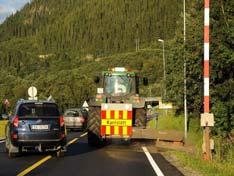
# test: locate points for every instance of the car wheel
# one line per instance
(60, 153)
(6, 145)
(11, 150)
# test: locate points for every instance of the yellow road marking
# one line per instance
(76, 139)
(43, 160)
(84, 134)
(72, 141)
(26, 171)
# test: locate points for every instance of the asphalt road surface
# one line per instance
(115, 159)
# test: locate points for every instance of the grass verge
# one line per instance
(205, 168)
(221, 165)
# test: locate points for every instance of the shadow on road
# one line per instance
(80, 148)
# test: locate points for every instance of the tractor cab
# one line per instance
(119, 82)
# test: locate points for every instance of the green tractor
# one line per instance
(117, 111)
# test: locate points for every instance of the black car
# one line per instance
(35, 125)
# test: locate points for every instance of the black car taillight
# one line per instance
(16, 121)
(61, 121)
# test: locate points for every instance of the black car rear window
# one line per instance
(38, 109)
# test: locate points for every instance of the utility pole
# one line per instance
(207, 118)
(164, 67)
(137, 44)
(185, 82)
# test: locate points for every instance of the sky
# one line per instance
(8, 7)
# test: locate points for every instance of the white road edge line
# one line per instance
(152, 162)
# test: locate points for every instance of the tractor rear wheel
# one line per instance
(94, 125)
(140, 119)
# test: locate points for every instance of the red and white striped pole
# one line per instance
(206, 56)
(207, 118)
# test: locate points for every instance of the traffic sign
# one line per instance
(32, 92)
(85, 105)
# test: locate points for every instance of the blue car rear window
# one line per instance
(44, 109)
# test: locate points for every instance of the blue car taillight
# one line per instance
(16, 121)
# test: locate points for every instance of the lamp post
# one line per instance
(164, 67)
(185, 81)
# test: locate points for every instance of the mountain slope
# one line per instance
(92, 26)
(58, 43)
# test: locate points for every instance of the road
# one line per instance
(114, 159)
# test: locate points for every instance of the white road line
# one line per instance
(152, 162)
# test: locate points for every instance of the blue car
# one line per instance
(35, 125)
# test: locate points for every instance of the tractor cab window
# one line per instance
(118, 84)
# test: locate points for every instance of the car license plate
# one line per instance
(40, 127)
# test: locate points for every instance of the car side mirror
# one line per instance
(96, 79)
(145, 81)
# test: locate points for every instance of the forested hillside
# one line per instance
(91, 26)
(60, 37)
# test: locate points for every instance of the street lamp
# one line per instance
(164, 67)
(185, 80)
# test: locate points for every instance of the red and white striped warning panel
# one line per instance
(116, 119)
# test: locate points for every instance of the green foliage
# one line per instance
(167, 120)
(60, 45)
(192, 55)
(221, 64)
(222, 119)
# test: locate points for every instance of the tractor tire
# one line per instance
(94, 125)
(140, 118)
